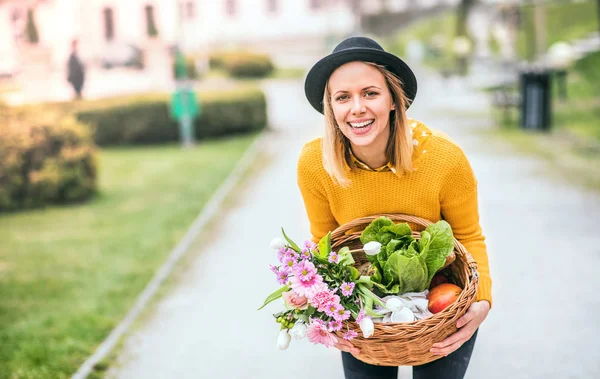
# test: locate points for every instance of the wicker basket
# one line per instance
(408, 344)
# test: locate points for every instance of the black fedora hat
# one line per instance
(350, 50)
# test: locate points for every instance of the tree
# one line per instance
(31, 30)
(461, 30)
(151, 29)
(462, 15)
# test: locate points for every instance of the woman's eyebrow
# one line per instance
(364, 89)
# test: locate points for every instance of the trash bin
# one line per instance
(536, 103)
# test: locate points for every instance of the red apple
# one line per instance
(440, 297)
(438, 279)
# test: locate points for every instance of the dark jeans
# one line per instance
(454, 366)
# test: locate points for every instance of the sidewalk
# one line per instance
(543, 248)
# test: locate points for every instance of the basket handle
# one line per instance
(399, 217)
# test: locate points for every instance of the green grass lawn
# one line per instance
(69, 274)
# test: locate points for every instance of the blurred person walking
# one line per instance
(75, 70)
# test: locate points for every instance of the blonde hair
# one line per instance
(336, 147)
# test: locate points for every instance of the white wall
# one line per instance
(252, 23)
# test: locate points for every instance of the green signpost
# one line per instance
(185, 108)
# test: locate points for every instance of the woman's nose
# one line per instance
(358, 107)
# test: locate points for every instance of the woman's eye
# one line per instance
(342, 97)
(370, 94)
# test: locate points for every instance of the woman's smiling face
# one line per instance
(361, 103)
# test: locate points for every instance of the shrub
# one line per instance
(189, 64)
(146, 120)
(43, 160)
(242, 64)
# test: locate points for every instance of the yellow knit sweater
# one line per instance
(442, 187)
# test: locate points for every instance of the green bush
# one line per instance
(146, 120)
(242, 64)
(43, 160)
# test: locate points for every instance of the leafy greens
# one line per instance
(405, 264)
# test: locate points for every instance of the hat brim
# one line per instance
(317, 77)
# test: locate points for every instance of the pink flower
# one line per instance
(309, 246)
(334, 325)
(282, 276)
(305, 254)
(332, 309)
(318, 333)
(305, 271)
(285, 252)
(306, 281)
(294, 300)
(347, 288)
(288, 263)
(350, 335)
(308, 288)
(291, 254)
(334, 257)
(341, 314)
(274, 269)
(322, 300)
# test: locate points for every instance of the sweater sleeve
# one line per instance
(317, 205)
(460, 208)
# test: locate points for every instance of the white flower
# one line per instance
(394, 304)
(298, 331)
(403, 315)
(367, 327)
(283, 340)
(372, 248)
(277, 243)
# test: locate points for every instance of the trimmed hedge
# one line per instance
(43, 160)
(242, 64)
(146, 120)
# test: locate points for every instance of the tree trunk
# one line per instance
(461, 30)
(462, 14)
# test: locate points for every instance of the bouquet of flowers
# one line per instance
(322, 290)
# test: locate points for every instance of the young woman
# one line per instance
(374, 160)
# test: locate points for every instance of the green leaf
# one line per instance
(414, 278)
(440, 245)
(325, 246)
(410, 273)
(346, 258)
(425, 240)
(354, 272)
(292, 243)
(399, 230)
(374, 232)
(275, 295)
(377, 275)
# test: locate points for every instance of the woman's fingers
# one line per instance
(347, 347)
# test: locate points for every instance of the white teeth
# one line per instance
(361, 124)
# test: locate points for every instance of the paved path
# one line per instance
(543, 245)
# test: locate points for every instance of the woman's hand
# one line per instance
(467, 325)
(346, 346)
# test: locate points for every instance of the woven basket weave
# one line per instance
(408, 344)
